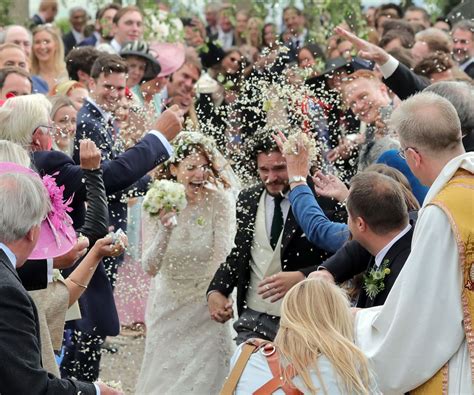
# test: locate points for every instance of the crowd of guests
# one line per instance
(351, 268)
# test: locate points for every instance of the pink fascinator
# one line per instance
(57, 235)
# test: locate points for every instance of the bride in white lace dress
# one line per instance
(186, 352)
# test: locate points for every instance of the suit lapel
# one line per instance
(8, 264)
(289, 230)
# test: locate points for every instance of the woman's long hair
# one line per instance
(59, 64)
(315, 321)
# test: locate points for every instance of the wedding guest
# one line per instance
(127, 26)
(64, 117)
(19, 341)
(430, 136)
(79, 64)
(77, 19)
(47, 11)
(47, 57)
(103, 33)
(313, 351)
(463, 47)
(142, 65)
(182, 267)
(14, 82)
(19, 35)
(75, 91)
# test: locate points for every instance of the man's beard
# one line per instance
(286, 188)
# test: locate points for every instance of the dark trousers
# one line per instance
(82, 353)
(253, 324)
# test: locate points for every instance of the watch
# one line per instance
(295, 179)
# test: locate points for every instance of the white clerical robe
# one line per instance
(420, 326)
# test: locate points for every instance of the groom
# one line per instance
(268, 244)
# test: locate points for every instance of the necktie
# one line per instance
(277, 222)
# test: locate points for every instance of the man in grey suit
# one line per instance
(21, 371)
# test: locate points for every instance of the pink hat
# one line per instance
(57, 236)
(170, 56)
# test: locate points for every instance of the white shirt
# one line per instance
(78, 36)
(270, 207)
(463, 66)
(226, 38)
(115, 45)
(10, 255)
(389, 67)
(379, 257)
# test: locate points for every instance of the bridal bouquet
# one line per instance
(164, 195)
(290, 146)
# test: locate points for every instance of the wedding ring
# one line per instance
(267, 287)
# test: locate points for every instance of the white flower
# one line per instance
(165, 194)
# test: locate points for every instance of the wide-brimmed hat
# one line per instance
(170, 56)
(141, 50)
(57, 236)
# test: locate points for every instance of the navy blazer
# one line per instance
(69, 42)
(88, 41)
(21, 371)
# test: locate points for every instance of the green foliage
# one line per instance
(5, 18)
(63, 25)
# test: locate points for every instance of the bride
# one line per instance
(185, 352)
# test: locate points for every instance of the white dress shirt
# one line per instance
(10, 255)
(381, 255)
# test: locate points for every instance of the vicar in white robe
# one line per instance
(420, 327)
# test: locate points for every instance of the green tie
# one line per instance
(277, 222)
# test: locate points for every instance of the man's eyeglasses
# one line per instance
(44, 129)
(402, 152)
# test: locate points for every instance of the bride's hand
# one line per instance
(168, 219)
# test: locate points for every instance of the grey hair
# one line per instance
(427, 120)
(25, 194)
(21, 115)
(75, 9)
(466, 25)
(11, 152)
(5, 33)
(461, 96)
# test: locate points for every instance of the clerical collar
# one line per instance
(381, 255)
(11, 256)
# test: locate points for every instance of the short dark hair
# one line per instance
(101, 11)
(391, 6)
(398, 25)
(292, 7)
(81, 59)
(379, 201)
(426, 16)
(406, 39)
(108, 64)
(6, 71)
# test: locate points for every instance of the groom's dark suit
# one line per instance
(20, 350)
(297, 253)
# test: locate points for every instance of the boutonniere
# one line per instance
(56, 275)
(374, 280)
(200, 221)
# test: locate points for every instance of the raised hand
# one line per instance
(89, 155)
(365, 49)
(297, 162)
(330, 186)
(68, 259)
(170, 122)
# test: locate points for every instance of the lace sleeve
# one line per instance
(224, 225)
(155, 243)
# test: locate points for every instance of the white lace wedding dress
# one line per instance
(186, 352)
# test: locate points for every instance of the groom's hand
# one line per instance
(220, 307)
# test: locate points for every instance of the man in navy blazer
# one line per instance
(21, 370)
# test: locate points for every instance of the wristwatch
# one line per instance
(295, 179)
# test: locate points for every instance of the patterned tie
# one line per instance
(277, 222)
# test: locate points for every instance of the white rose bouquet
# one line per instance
(165, 195)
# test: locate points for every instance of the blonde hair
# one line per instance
(11, 152)
(258, 23)
(21, 115)
(316, 320)
(59, 64)
(66, 87)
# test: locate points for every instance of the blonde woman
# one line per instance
(47, 56)
(316, 339)
(64, 117)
